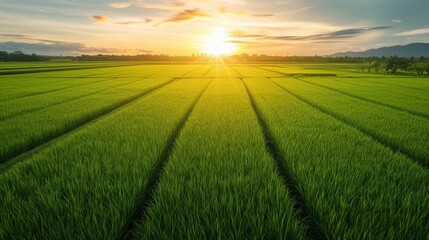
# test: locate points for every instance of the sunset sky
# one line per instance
(278, 27)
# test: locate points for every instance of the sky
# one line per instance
(183, 27)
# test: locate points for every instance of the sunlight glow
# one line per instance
(218, 44)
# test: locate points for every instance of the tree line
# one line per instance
(19, 56)
(395, 64)
(387, 65)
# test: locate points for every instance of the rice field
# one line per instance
(133, 150)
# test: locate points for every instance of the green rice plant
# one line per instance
(200, 71)
(418, 107)
(254, 71)
(27, 131)
(396, 129)
(220, 182)
(56, 69)
(15, 107)
(222, 71)
(291, 70)
(386, 87)
(355, 187)
(86, 185)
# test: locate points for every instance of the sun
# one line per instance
(218, 44)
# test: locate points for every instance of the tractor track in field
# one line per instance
(411, 112)
(393, 147)
(146, 196)
(23, 154)
(302, 210)
(377, 88)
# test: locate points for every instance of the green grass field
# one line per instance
(131, 150)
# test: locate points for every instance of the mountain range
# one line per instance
(410, 50)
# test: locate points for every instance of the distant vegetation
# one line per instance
(19, 56)
(242, 58)
(395, 64)
(386, 65)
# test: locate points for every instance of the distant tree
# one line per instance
(371, 65)
(427, 68)
(377, 66)
(394, 63)
(419, 68)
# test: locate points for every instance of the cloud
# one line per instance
(27, 38)
(172, 5)
(147, 20)
(341, 34)
(396, 20)
(119, 4)
(186, 15)
(261, 15)
(29, 44)
(5, 35)
(414, 32)
(100, 18)
(58, 48)
(225, 10)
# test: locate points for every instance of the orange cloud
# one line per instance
(172, 5)
(100, 18)
(148, 20)
(186, 15)
(225, 10)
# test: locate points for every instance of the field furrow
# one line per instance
(220, 182)
(253, 71)
(145, 197)
(57, 69)
(34, 91)
(381, 88)
(400, 131)
(411, 106)
(302, 209)
(296, 71)
(86, 186)
(199, 72)
(222, 71)
(355, 188)
(416, 84)
(15, 107)
(29, 81)
(30, 130)
(63, 83)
